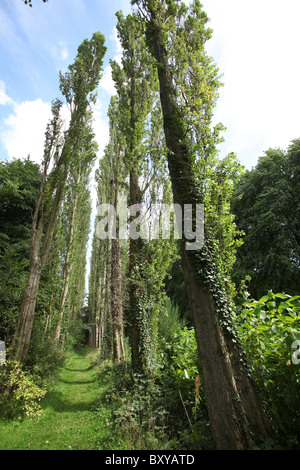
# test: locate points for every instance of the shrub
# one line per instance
(182, 388)
(270, 331)
(19, 395)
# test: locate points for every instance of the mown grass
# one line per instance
(74, 415)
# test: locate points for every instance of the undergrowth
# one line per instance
(164, 411)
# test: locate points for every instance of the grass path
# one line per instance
(74, 416)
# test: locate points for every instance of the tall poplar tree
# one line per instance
(74, 206)
(188, 91)
(115, 154)
(133, 81)
(99, 281)
(78, 87)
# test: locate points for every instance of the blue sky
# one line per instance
(255, 45)
(35, 44)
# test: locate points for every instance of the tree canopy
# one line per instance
(266, 207)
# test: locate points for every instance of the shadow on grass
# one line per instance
(77, 382)
(70, 394)
(59, 403)
(79, 370)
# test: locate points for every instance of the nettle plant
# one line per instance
(269, 329)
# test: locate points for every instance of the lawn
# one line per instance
(74, 414)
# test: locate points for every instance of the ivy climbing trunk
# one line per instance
(132, 83)
(139, 349)
(235, 411)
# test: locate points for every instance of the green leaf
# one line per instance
(262, 315)
(282, 306)
(281, 296)
(264, 299)
(271, 305)
(275, 329)
(295, 334)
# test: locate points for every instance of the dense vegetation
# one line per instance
(196, 349)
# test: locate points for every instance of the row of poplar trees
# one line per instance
(163, 149)
(61, 219)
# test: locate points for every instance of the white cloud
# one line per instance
(107, 82)
(63, 50)
(255, 46)
(101, 130)
(114, 37)
(24, 129)
(4, 98)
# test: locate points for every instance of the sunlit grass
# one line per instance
(74, 414)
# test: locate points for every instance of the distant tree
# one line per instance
(19, 185)
(19, 188)
(76, 204)
(266, 207)
(133, 82)
(78, 87)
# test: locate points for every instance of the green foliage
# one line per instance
(180, 379)
(218, 181)
(167, 409)
(19, 186)
(270, 332)
(265, 202)
(170, 321)
(19, 394)
(139, 415)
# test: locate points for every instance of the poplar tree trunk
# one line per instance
(116, 302)
(39, 253)
(135, 252)
(235, 410)
(67, 268)
(25, 322)
(116, 284)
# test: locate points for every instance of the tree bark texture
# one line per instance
(140, 330)
(25, 321)
(138, 353)
(116, 302)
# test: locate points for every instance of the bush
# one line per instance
(270, 332)
(182, 388)
(19, 395)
